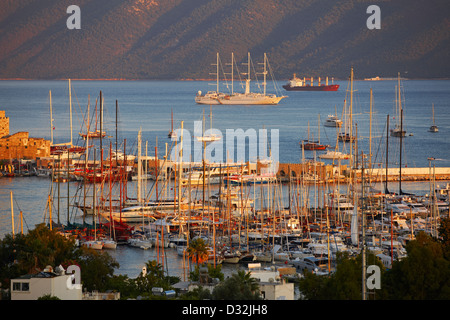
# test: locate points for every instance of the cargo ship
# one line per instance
(297, 84)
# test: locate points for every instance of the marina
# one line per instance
(156, 202)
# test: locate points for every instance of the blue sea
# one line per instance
(147, 105)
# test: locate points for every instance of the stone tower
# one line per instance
(4, 124)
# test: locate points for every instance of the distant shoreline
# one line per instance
(200, 79)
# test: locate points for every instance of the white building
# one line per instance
(56, 284)
(271, 284)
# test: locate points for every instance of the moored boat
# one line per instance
(109, 244)
(334, 155)
(93, 134)
(332, 121)
(313, 145)
(398, 130)
(434, 127)
(139, 241)
(93, 244)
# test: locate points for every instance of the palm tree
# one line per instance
(198, 250)
(247, 281)
(240, 286)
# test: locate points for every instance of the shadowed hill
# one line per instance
(178, 39)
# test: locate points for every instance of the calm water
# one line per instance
(148, 105)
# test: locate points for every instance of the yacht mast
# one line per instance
(399, 95)
(247, 82)
(180, 170)
(351, 119)
(70, 109)
(217, 72)
(265, 73)
(51, 118)
(232, 74)
(139, 167)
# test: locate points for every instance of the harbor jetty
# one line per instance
(308, 172)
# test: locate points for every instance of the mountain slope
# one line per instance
(175, 39)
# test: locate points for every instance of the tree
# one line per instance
(312, 286)
(46, 247)
(213, 272)
(33, 251)
(344, 284)
(444, 234)
(240, 286)
(123, 284)
(423, 275)
(48, 297)
(9, 264)
(198, 250)
(97, 267)
(199, 293)
(153, 277)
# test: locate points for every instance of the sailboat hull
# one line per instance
(97, 245)
(314, 146)
(238, 99)
(334, 155)
(398, 133)
(109, 244)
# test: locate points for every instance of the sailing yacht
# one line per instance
(434, 127)
(347, 135)
(96, 133)
(234, 98)
(398, 130)
(313, 145)
(211, 137)
(67, 149)
(172, 133)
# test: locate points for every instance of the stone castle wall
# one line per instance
(19, 145)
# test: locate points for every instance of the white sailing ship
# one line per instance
(234, 98)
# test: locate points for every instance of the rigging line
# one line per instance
(256, 74)
(326, 134)
(79, 106)
(241, 82)
(224, 74)
(379, 148)
(277, 88)
(166, 182)
(18, 207)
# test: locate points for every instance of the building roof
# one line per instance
(42, 274)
